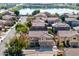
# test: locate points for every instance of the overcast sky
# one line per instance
(39, 1)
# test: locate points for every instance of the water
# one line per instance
(53, 10)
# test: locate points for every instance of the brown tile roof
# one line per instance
(59, 24)
(38, 23)
(39, 34)
(71, 19)
(72, 15)
(53, 19)
(67, 33)
(7, 17)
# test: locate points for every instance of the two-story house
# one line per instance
(71, 36)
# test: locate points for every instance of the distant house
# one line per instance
(60, 26)
(8, 17)
(76, 28)
(6, 23)
(51, 20)
(9, 13)
(72, 22)
(40, 15)
(38, 25)
(71, 36)
(43, 15)
(71, 15)
(1, 24)
(40, 38)
(47, 14)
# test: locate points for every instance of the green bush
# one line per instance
(35, 12)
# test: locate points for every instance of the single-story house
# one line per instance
(71, 36)
(72, 22)
(41, 39)
(60, 26)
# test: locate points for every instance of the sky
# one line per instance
(39, 1)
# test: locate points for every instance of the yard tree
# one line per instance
(16, 12)
(16, 45)
(77, 18)
(61, 46)
(21, 28)
(0, 16)
(29, 24)
(35, 12)
(62, 18)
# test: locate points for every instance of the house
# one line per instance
(38, 25)
(40, 15)
(76, 28)
(72, 22)
(71, 36)
(43, 14)
(60, 26)
(71, 15)
(51, 20)
(9, 13)
(1, 24)
(6, 23)
(41, 39)
(8, 17)
(71, 51)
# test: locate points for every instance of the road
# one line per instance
(11, 32)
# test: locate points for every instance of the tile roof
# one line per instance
(59, 24)
(39, 34)
(38, 23)
(52, 18)
(71, 19)
(67, 33)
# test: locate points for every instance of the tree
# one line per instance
(30, 18)
(77, 18)
(61, 46)
(16, 12)
(54, 31)
(0, 16)
(29, 24)
(16, 45)
(50, 31)
(35, 12)
(56, 14)
(62, 18)
(21, 28)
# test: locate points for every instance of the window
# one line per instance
(74, 38)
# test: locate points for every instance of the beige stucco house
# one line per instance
(72, 36)
(42, 38)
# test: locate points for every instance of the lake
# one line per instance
(53, 10)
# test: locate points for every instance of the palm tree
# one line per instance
(15, 46)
